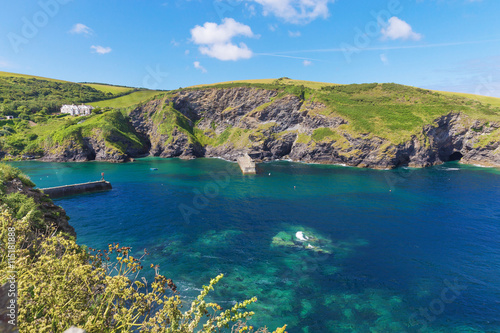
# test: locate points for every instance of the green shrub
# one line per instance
(321, 133)
(8, 173)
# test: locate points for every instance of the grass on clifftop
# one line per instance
(127, 100)
(115, 90)
(285, 81)
(397, 112)
(390, 111)
(112, 127)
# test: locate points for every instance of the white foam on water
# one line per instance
(300, 236)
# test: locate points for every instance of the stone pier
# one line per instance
(64, 191)
(247, 165)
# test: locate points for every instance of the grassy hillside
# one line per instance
(391, 111)
(21, 95)
(115, 90)
(128, 100)
(287, 81)
(31, 139)
(111, 127)
(493, 101)
(25, 95)
(106, 88)
(25, 76)
(396, 112)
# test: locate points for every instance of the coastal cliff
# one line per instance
(106, 137)
(368, 125)
(227, 123)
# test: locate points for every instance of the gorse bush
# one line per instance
(61, 284)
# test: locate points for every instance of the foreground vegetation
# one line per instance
(61, 284)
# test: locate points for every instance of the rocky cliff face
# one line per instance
(93, 148)
(276, 127)
(269, 125)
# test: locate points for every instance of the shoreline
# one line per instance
(476, 165)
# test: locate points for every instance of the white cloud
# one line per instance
(296, 11)
(215, 40)
(273, 27)
(227, 51)
(399, 29)
(213, 33)
(200, 67)
(100, 49)
(186, 52)
(80, 28)
(307, 63)
(294, 33)
(384, 59)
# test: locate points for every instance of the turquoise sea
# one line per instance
(324, 248)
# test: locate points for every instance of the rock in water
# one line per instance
(300, 236)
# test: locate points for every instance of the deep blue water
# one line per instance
(403, 250)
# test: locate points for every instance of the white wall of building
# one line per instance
(77, 110)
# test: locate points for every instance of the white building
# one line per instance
(80, 110)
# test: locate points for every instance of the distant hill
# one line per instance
(27, 94)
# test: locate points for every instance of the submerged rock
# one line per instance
(303, 240)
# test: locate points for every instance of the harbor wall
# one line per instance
(67, 190)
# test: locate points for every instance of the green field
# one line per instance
(308, 84)
(99, 86)
(127, 100)
(493, 101)
(7, 74)
(109, 89)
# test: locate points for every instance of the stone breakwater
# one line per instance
(67, 190)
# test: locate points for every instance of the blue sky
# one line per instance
(449, 45)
